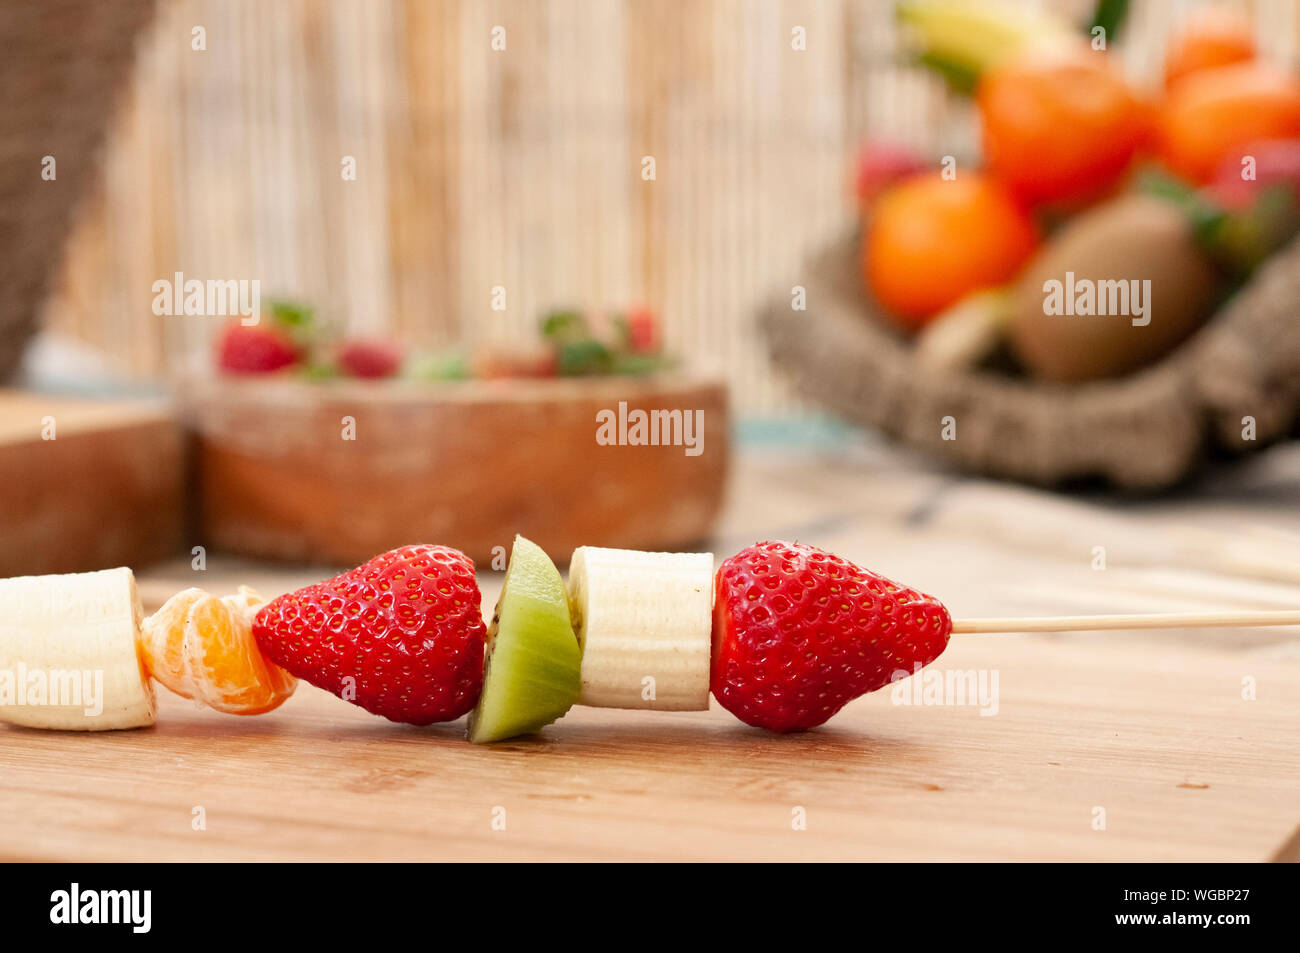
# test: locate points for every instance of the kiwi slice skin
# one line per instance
(532, 672)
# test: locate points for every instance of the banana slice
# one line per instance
(68, 656)
(644, 621)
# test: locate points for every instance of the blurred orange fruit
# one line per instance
(1214, 113)
(202, 647)
(931, 241)
(1213, 36)
(1061, 127)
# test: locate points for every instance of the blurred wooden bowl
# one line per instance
(467, 464)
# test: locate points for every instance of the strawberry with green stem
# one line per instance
(281, 338)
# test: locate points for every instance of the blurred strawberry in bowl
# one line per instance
(639, 327)
(280, 338)
(255, 349)
(369, 358)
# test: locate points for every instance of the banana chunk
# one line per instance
(644, 621)
(68, 657)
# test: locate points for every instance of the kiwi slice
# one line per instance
(533, 669)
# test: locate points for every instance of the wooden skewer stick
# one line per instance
(1158, 620)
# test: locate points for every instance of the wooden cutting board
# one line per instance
(1152, 729)
(1161, 740)
(87, 484)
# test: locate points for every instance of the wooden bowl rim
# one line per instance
(296, 391)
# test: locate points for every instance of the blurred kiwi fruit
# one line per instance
(1100, 254)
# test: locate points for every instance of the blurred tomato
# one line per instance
(932, 241)
(1211, 116)
(1062, 127)
(1213, 36)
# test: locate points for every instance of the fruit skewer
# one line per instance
(1144, 620)
(783, 635)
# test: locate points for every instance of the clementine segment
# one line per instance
(202, 648)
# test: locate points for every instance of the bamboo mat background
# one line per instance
(519, 168)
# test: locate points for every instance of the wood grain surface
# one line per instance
(106, 490)
(1152, 728)
(1162, 741)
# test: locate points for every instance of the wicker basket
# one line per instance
(63, 63)
(1144, 431)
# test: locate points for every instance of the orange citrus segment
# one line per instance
(202, 647)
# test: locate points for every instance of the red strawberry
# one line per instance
(406, 628)
(255, 349)
(798, 633)
(643, 331)
(373, 359)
